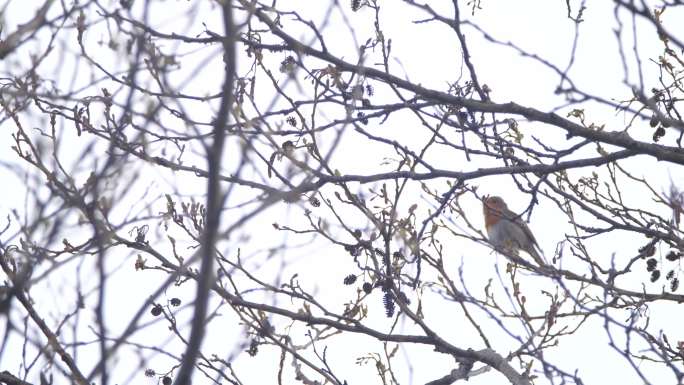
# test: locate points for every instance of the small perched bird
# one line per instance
(506, 231)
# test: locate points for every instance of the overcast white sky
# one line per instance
(429, 55)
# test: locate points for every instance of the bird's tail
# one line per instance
(536, 254)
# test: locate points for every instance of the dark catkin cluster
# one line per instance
(674, 284)
(652, 267)
(655, 275)
(674, 281)
(288, 65)
(350, 279)
(355, 5)
(659, 133)
(671, 276)
(291, 121)
(648, 250)
(404, 298)
(673, 256)
(253, 348)
(353, 250)
(367, 287)
(156, 310)
(313, 201)
(388, 303)
(660, 127)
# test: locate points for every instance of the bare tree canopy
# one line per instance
(357, 192)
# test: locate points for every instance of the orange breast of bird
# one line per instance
(491, 217)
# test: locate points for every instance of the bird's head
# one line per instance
(493, 208)
(493, 203)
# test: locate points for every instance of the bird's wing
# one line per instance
(518, 221)
(527, 231)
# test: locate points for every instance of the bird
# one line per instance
(507, 231)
